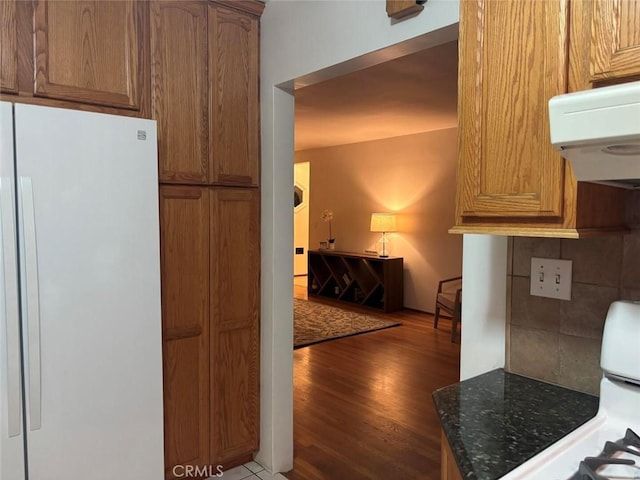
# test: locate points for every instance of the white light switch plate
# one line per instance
(551, 278)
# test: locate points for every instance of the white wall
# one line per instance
(299, 38)
(484, 290)
(411, 175)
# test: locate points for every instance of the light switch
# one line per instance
(551, 278)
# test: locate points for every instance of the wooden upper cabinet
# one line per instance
(514, 55)
(89, 51)
(8, 47)
(180, 90)
(233, 98)
(512, 60)
(235, 332)
(185, 247)
(615, 39)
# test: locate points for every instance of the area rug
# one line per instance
(315, 323)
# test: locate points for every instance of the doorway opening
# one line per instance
(366, 155)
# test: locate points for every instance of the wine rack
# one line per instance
(365, 280)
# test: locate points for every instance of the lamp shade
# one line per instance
(383, 222)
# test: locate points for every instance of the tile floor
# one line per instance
(249, 471)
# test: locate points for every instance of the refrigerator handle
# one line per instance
(32, 302)
(11, 312)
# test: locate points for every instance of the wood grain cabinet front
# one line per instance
(448, 466)
(185, 257)
(179, 82)
(233, 98)
(235, 324)
(89, 51)
(615, 39)
(8, 47)
(205, 71)
(210, 260)
(507, 164)
(204, 96)
(514, 57)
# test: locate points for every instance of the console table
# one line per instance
(366, 280)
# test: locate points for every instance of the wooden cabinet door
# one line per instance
(184, 246)
(234, 109)
(179, 89)
(8, 47)
(513, 57)
(235, 335)
(449, 468)
(89, 51)
(615, 38)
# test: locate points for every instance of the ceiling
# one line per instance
(412, 94)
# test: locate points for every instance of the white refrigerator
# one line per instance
(80, 324)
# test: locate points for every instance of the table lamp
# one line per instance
(383, 222)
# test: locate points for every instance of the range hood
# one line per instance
(598, 131)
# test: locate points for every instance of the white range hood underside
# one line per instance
(598, 131)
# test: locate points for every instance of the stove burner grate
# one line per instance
(589, 466)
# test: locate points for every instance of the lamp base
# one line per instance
(383, 246)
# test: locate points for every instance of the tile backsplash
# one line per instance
(557, 340)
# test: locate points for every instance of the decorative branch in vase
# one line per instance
(327, 216)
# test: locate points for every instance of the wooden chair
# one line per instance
(449, 299)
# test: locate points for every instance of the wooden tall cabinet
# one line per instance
(204, 76)
(514, 56)
(185, 257)
(209, 113)
(235, 333)
(210, 259)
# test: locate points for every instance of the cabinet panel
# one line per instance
(180, 90)
(8, 47)
(184, 242)
(235, 336)
(449, 469)
(615, 39)
(185, 419)
(234, 109)
(89, 51)
(513, 58)
(235, 395)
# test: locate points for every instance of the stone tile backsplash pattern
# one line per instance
(557, 340)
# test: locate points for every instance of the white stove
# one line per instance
(607, 446)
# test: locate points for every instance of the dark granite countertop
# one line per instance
(498, 420)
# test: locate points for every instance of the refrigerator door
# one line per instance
(11, 420)
(90, 274)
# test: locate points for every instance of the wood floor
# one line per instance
(362, 404)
